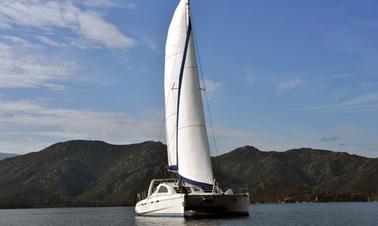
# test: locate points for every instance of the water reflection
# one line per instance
(176, 221)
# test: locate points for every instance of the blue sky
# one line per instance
(279, 75)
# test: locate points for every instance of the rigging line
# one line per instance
(204, 89)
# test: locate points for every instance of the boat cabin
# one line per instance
(171, 187)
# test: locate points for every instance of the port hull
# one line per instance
(216, 205)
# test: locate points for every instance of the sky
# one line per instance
(279, 74)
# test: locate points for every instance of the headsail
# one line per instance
(188, 147)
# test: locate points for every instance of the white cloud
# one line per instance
(363, 99)
(364, 102)
(60, 24)
(289, 84)
(22, 121)
(21, 68)
(47, 15)
(3, 24)
(27, 126)
(367, 101)
(109, 3)
(56, 87)
(17, 40)
(211, 87)
(51, 42)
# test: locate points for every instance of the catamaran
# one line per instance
(193, 191)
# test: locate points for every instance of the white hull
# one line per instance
(196, 205)
(168, 206)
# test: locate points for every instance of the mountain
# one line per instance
(6, 155)
(80, 173)
(300, 174)
(95, 173)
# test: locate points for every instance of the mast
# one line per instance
(188, 9)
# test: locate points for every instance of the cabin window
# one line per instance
(163, 189)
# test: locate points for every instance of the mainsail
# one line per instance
(188, 147)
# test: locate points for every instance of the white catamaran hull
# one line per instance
(168, 206)
(196, 205)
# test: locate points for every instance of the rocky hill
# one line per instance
(300, 174)
(94, 173)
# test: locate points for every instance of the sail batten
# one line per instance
(188, 147)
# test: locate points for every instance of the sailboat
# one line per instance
(193, 191)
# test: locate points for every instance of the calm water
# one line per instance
(268, 214)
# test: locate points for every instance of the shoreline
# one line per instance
(120, 206)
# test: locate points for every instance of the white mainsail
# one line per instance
(188, 147)
(173, 57)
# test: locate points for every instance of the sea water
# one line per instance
(321, 214)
